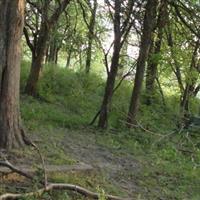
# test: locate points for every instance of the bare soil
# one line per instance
(117, 165)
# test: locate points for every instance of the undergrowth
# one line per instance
(71, 99)
(169, 158)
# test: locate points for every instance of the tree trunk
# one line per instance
(53, 51)
(39, 50)
(152, 66)
(91, 36)
(151, 74)
(148, 26)
(11, 28)
(36, 66)
(37, 60)
(69, 57)
(113, 69)
(176, 66)
(123, 59)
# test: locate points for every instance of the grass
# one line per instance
(170, 169)
(74, 98)
(169, 163)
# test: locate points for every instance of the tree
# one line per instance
(122, 28)
(183, 42)
(75, 42)
(155, 50)
(11, 26)
(113, 69)
(55, 43)
(148, 26)
(91, 28)
(41, 35)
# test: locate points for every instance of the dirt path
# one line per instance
(79, 167)
(116, 164)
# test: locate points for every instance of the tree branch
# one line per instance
(50, 187)
(183, 20)
(7, 164)
(59, 186)
(28, 39)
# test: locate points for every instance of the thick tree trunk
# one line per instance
(38, 55)
(11, 27)
(113, 69)
(36, 66)
(148, 26)
(151, 73)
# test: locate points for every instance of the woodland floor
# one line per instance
(115, 164)
(82, 153)
(75, 152)
(106, 160)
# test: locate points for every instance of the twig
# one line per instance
(141, 127)
(43, 166)
(94, 118)
(30, 143)
(167, 135)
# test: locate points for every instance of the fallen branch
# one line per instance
(49, 187)
(58, 186)
(7, 164)
(138, 125)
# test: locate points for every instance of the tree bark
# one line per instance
(11, 28)
(91, 36)
(113, 68)
(53, 52)
(177, 66)
(152, 66)
(148, 26)
(38, 55)
(39, 49)
(69, 57)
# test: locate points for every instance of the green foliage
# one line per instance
(91, 180)
(68, 100)
(101, 194)
(71, 99)
(170, 169)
